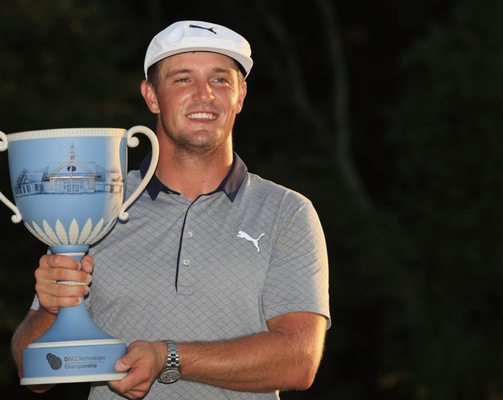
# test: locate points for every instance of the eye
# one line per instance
(220, 80)
(182, 80)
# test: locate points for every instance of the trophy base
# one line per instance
(72, 379)
(72, 361)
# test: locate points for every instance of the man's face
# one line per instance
(197, 98)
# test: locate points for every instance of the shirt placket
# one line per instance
(184, 279)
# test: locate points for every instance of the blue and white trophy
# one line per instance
(69, 189)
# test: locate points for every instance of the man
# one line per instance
(219, 278)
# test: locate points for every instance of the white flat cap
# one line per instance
(184, 36)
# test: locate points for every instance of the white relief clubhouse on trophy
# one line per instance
(69, 177)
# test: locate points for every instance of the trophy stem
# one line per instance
(74, 349)
(73, 324)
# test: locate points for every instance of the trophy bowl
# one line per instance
(69, 190)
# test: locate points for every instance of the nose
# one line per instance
(204, 92)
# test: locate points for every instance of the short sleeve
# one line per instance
(297, 278)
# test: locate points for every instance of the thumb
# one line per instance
(122, 365)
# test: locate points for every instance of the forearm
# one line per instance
(34, 325)
(255, 364)
(280, 359)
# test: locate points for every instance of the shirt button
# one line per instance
(186, 262)
(189, 234)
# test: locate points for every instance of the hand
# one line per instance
(54, 268)
(145, 361)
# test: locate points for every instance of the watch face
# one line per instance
(169, 376)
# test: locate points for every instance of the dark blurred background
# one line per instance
(387, 115)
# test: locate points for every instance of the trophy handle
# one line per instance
(17, 215)
(133, 142)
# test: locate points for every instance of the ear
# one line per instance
(148, 93)
(242, 95)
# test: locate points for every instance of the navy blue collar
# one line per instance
(230, 185)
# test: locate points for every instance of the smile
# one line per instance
(202, 116)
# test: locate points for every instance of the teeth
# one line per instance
(202, 115)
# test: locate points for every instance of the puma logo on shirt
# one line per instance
(244, 235)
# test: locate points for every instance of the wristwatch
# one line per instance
(171, 371)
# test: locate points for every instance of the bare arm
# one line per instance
(284, 358)
(34, 325)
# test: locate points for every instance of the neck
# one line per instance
(193, 174)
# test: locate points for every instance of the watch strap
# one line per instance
(173, 359)
(171, 371)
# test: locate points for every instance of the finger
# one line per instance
(114, 386)
(54, 294)
(132, 394)
(63, 289)
(58, 261)
(136, 394)
(88, 264)
(53, 304)
(63, 274)
(50, 276)
(40, 388)
(125, 385)
(60, 267)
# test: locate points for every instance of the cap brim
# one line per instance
(245, 62)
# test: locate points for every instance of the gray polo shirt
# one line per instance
(210, 269)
